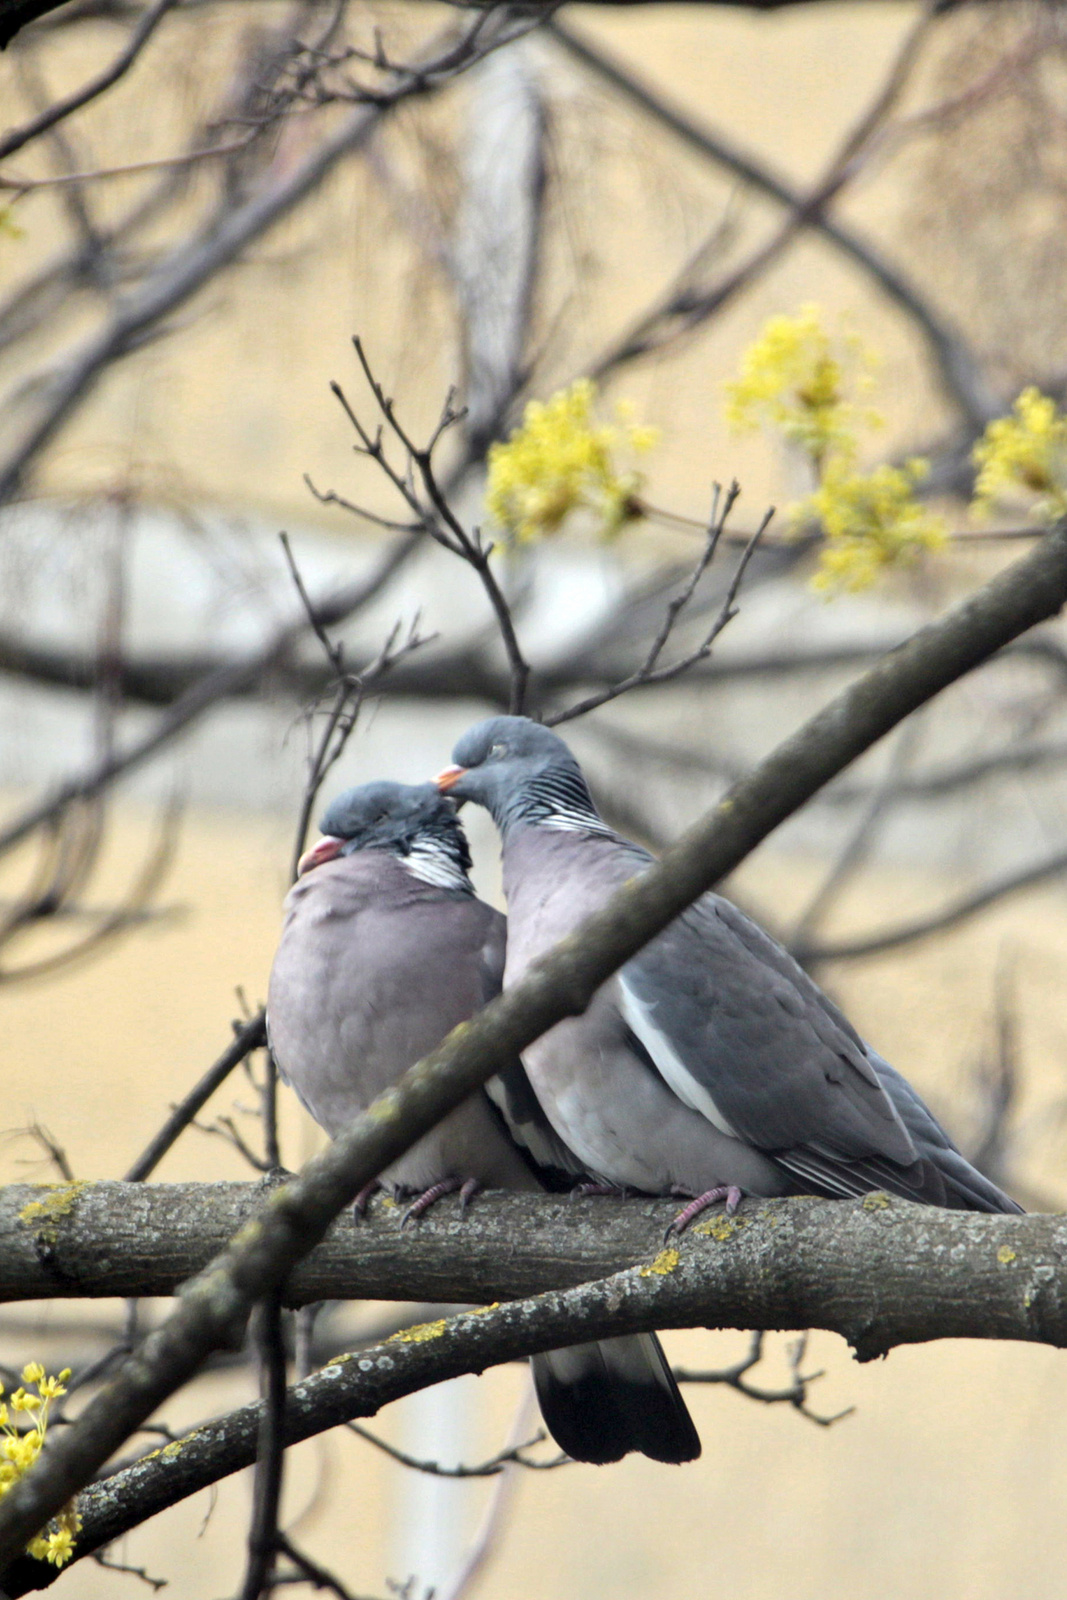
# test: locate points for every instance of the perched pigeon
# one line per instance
(711, 1064)
(385, 949)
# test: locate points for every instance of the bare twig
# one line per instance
(684, 307)
(119, 918)
(270, 1452)
(209, 691)
(651, 673)
(224, 236)
(53, 1150)
(308, 1571)
(858, 844)
(60, 109)
(101, 1559)
(795, 1393)
(21, 186)
(249, 1037)
(436, 515)
(511, 1453)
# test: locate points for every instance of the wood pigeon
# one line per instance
(385, 949)
(711, 1064)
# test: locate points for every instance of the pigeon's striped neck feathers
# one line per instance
(433, 859)
(557, 798)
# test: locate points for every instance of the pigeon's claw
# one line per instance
(615, 1191)
(728, 1192)
(363, 1199)
(467, 1188)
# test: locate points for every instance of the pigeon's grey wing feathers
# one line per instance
(726, 1020)
(964, 1186)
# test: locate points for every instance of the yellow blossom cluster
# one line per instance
(802, 382)
(1026, 451)
(870, 521)
(20, 1445)
(797, 379)
(562, 460)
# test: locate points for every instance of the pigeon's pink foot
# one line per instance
(581, 1191)
(467, 1189)
(363, 1199)
(728, 1192)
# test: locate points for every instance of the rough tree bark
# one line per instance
(918, 1272)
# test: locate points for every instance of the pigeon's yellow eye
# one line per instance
(496, 751)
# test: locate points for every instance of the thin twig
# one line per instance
(206, 693)
(957, 364)
(511, 1454)
(437, 516)
(60, 109)
(795, 1394)
(649, 673)
(251, 1036)
(270, 1454)
(101, 1559)
(308, 1571)
(683, 307)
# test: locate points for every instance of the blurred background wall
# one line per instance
(507, 234)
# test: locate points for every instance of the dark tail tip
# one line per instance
(600, 1401)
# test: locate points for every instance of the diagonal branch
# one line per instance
(214, 1308)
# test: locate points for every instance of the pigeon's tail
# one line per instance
(600, 1401)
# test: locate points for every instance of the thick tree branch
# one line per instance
(879, 1271)
(97, 1240)
(214, 1307)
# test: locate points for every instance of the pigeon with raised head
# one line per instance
(385, 949)
(711, 1064)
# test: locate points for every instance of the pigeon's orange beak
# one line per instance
(446, 781)
(325, 850)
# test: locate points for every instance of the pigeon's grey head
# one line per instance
(400, 817)
(521, 772)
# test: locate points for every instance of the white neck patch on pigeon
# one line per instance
(575, 822)
(431, 863)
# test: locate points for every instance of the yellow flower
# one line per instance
(18, 1452)
(60, 1546)
(22, 1450)
(870, 522)
(1027, 451)
(797, 378)
(561, 460)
